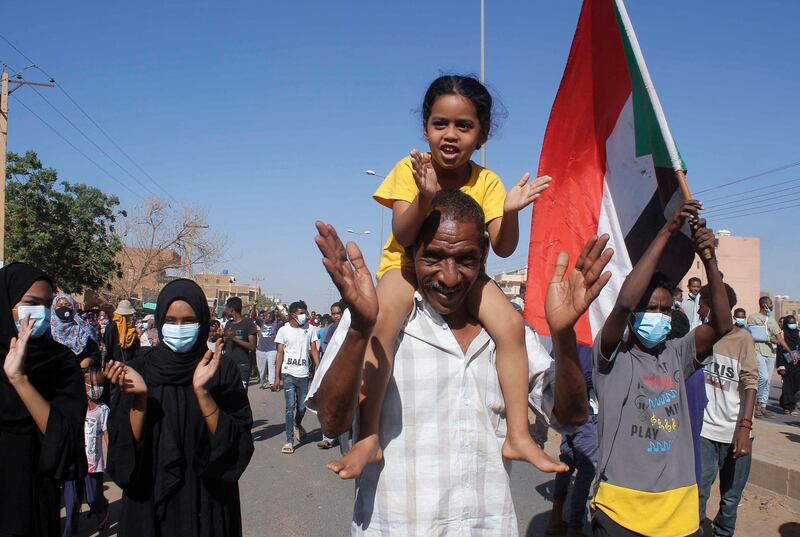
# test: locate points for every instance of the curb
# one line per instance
(775, 478)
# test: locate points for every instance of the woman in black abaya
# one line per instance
(42, 407)
(179, 430)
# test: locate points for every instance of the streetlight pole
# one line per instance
(483, 71)
(380, 215)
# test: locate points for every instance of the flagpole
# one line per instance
(675, 159)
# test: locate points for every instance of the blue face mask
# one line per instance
(180, 337)
(651, 328)
(739, 322)
(301, 319)
(40, 316)
(792, 326)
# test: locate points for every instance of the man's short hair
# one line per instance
(337, 304)
(451, 205)
(214, 322)
(677, 290)
(705, 294)
(763, 300)
(737, 310)
(694, 279)
(295, 306)
(235, 303)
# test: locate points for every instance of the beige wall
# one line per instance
(740, 262)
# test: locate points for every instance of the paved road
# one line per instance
(294, 495)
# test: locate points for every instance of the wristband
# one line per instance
(743, 426)
(209, 415)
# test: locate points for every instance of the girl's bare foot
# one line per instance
(523, 448)
(365, 451)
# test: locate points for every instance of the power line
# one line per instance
(735, 202)
(754, 176)
(76, 148)
(750, 191)
(758, 205)
(737, 215)
(74, 126)
(95, 123)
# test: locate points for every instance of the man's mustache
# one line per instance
(433, 286)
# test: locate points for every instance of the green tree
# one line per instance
(65, 229)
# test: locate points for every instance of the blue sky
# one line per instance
(266, 114)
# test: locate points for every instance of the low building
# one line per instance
(784, 306)
(739, 260)
(512, 282)
(219, 287)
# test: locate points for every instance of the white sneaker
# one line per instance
(287, 448)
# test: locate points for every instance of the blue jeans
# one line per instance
(89, 488)
(733, 474)
(579, 451)
(766, 364)
(294, 392)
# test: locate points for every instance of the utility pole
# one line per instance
(4, 93)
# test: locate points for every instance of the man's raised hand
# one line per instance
(569, 296)
(350, 275)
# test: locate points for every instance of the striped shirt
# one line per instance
(442, 428)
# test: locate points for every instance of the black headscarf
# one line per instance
(44, 357)
(792, 337)
(165, 366)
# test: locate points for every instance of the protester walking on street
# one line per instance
(72, 331)
(789, 367)
(691, 304)
(42, 404)
(648, 483)
(767, 336)
(296, 342)
(180, 431)
(240, 337)
(267, 351)
(121, 338)
(726, 439)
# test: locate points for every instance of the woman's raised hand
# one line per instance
(14, 364)
(206, 368)
(126, 378)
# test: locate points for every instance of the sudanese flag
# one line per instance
(612, 159)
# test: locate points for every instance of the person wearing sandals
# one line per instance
(179, 429)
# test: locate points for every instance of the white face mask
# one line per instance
(302, 318)
(180, 337)
(95, 392)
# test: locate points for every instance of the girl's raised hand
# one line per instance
(524, 193)
(207, 368)
(424, 174)
(14, 364)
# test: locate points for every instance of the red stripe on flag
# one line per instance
(593, 90)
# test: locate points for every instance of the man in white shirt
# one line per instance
(442, 423)
(296, 341)
(691, 304)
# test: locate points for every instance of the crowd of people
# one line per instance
(431, 372)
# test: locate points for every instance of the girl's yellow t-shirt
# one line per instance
(484, 186)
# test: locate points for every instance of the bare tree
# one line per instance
(160, 242)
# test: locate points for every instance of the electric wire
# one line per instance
(747, 195)
(92, 120)
(745, 201)
(741, 215)
(82, 133)
(76, 148)
(750, 206)
(749, 177)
